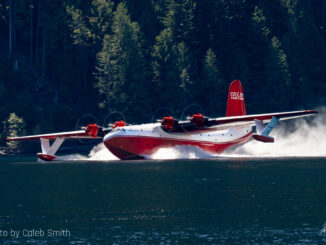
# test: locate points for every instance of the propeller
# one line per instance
(161, 112)
(89, 123)
(191, 112)
(83, 122)
(113, 120)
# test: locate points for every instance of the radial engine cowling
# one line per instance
(92, 129)
(168, 122)
(119, 124)
(198, 120)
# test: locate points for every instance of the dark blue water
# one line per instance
(215, 201)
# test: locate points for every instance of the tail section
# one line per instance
(236, 103)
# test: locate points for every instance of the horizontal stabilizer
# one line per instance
(261, 138)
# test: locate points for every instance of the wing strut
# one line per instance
(48, 152)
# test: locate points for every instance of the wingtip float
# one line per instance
(214, 135)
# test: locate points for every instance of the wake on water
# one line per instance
(303, 139)
(98, 153)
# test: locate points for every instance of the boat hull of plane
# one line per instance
(127, 146)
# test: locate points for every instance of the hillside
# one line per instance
(62, 59)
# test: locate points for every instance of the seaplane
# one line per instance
(214, 135)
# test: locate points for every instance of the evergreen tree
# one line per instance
(305, 45)
(260, 22)
(103, 75)
(212, 86)
(100, 20)
(80, 33)
(180, 20)
(122, 75)
(165, 72)
(184, 65)
(278, 76)
(148, 17)
(14, 126)
(172, 66)
(279, 73)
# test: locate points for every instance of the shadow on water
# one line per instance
(241, 200)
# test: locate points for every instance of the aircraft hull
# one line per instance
(142, 141)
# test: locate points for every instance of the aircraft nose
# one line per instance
(113, 134)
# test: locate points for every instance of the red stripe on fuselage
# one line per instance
(125, 146)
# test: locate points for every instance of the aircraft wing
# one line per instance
(249, 120)
(199, 122)
(73, 134)
(91, 131)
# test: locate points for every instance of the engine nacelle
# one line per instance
(92, 129)
(168, 122)
(119, 124)
(198, 120)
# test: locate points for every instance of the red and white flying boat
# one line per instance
(214, 135)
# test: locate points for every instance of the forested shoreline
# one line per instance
(61, 59)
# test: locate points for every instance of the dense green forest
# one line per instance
(61, 59)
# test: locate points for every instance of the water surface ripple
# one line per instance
(212, 201)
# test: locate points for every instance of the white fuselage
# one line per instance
(131, 142)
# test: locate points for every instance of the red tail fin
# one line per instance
(236, 103)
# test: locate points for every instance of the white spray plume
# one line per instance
(100, 152)
(304, 139)
(72, 157)
(180, 152)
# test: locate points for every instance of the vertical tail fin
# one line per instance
(236, 103)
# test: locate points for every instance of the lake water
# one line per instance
(212, 201)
